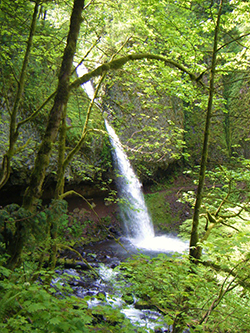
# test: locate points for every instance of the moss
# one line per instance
(159, 210)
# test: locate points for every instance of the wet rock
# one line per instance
(114, 263)
(77, 265)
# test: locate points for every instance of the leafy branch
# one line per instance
(242, 279)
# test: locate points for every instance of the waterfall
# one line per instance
(134, 212)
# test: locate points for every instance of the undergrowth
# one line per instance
(45, 305)
(189, 297)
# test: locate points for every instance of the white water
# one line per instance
(162, 244)
(134, 213)
(88, 87)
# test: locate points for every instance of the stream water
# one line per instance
(108, 285)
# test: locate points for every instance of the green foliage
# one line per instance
(156, 111)
(165, 102)
(76, 115)
(34, 226)
(184, 294)
(224, 227)
(149, 122)
(28, 306)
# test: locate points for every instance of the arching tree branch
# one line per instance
(118, 63)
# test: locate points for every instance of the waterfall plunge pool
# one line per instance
(160, 244)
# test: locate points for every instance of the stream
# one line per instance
(106, 289)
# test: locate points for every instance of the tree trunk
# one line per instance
(53, 222)
(195, 249)
(13, 134)
(61, 158)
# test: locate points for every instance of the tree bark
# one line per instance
(118, 63)
(195, 249)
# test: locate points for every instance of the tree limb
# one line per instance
(118, 63)
(223, 291)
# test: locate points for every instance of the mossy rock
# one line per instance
(159, 210)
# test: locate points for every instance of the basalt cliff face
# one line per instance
(148, 123)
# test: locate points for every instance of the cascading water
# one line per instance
(134, 212)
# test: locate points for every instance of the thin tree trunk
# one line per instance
(53, 221)
(61, 158)
(13, 134)
(195, 249)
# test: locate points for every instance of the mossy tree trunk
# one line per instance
(227, 124)
(56, 114)
(64, 162)
(195, 249)
(53, 222)
(13, 130)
